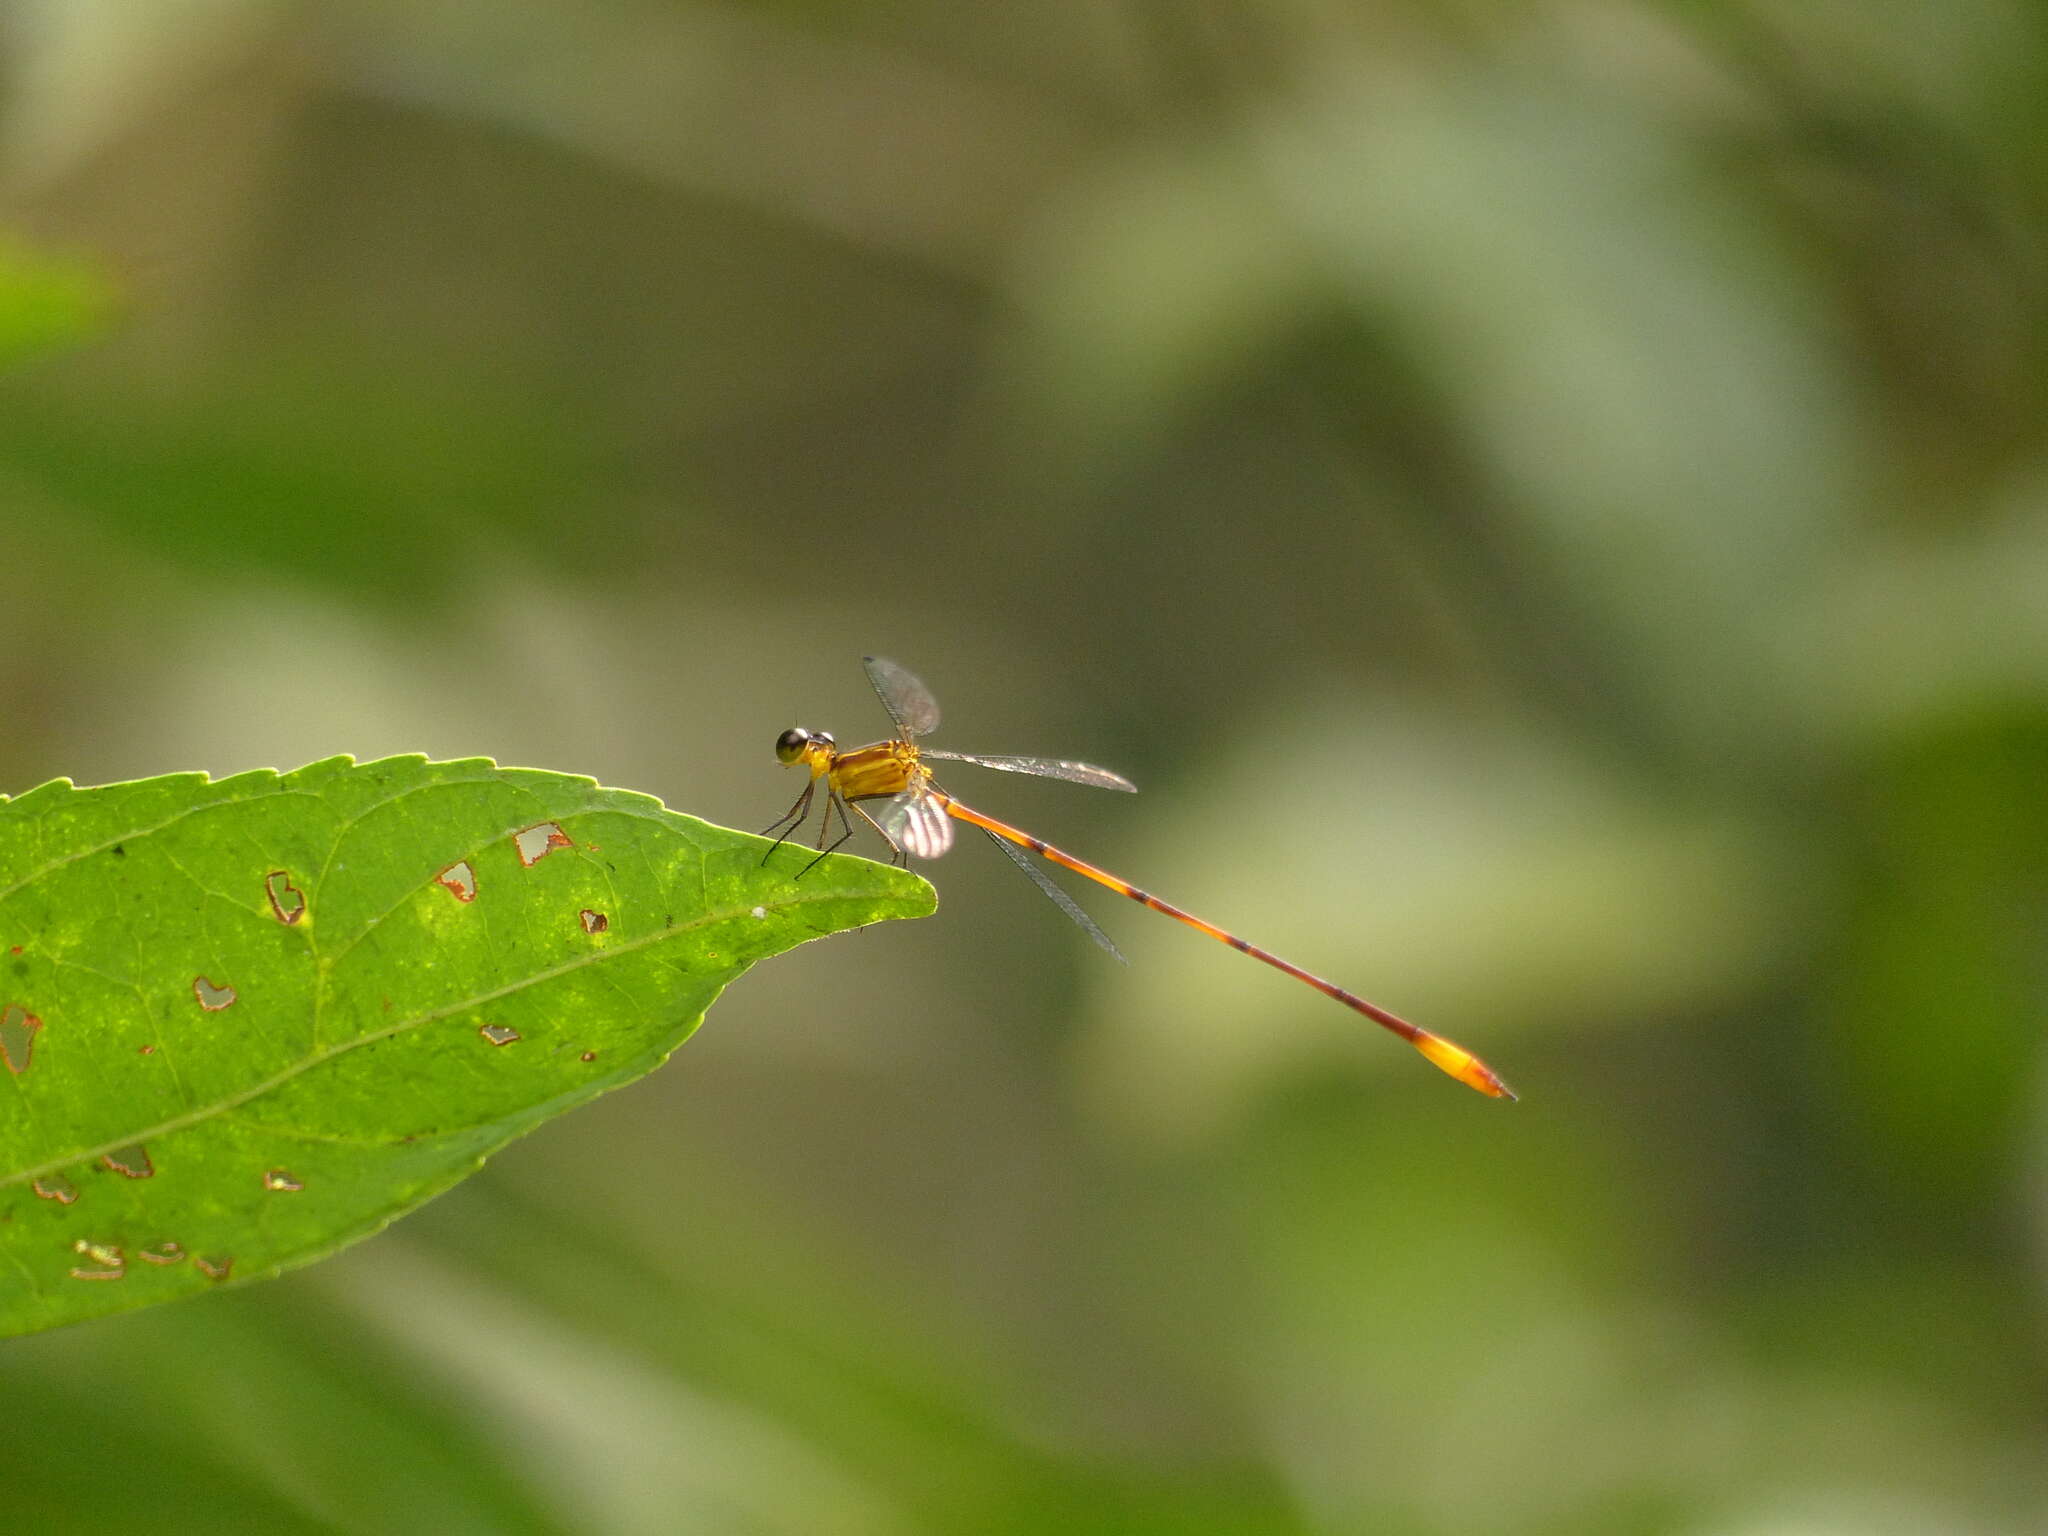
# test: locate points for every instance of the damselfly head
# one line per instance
(797, 744)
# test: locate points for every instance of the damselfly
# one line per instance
(917, 817)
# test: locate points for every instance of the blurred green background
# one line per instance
(1548, 501)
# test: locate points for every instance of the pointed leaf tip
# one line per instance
(244, 1021)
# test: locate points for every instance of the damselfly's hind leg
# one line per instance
(897, 856)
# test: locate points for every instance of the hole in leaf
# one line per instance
(131, 1162)
(287, 902)
(498, 1034)
(459, 880)
(278, 1179)
(105, 1255)
(593, 922)
(54, 1186)
(18, 1036)
(537, 842)
(212, 998)
(162, 1253)
(215, 1267)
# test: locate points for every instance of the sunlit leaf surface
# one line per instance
(243, 1023)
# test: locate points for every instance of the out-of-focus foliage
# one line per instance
(45, 302)
(1550, 504)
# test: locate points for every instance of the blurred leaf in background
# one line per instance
(47, 301)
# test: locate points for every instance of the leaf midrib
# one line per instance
(321, 1057)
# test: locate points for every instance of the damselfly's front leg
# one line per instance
(790, 820)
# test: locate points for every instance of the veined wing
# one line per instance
(909, 702)
(1044, 767)
(1059, 897)
(916, 823)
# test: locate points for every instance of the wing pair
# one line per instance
(916, 820)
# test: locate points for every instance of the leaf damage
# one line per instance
(331, 1061)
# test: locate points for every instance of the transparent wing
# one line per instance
(909, 702)
(1059, 897)
(1044, 767)
(916, 823)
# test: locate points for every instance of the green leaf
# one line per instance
(47, 301)
(244, 1023)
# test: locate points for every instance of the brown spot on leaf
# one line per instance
(287, 902)
(593, 922)
(145, 1050)
(17, 1037)
(459, 880)
(538, 841)
(498, 1034)
(589, 1056)
(212, 998)
(131, 1162)
(53, 1186)
(215, 1266)
(277, 1179)
(162, 1253)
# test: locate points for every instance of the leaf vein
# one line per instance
(319, 1058)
